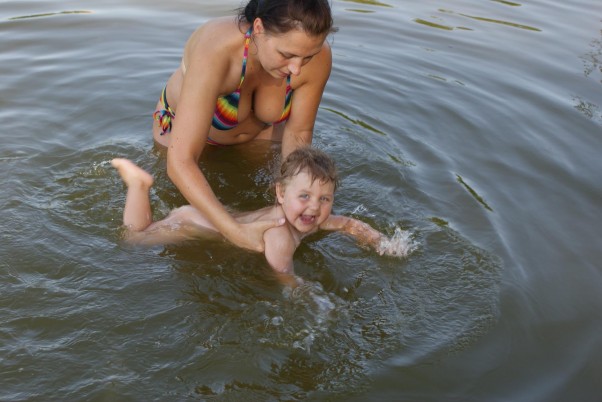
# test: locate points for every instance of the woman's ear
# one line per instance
(258, 26)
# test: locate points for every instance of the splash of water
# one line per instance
(362, 210)
(398, 245)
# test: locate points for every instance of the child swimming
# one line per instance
(304, 189)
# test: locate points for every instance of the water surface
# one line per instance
(474, 126)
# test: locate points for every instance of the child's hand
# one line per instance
(398, 245)
(386, 247)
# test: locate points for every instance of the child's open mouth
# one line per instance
(307, 219)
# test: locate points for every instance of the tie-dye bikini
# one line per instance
(225, 116)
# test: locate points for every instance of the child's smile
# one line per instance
(306, 203)
(307, 219)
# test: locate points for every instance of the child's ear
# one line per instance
(279, 193)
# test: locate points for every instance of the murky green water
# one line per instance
(474, 126)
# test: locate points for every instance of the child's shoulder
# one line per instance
(280, 245)
(282, 236)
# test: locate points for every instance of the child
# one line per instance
(304, 197)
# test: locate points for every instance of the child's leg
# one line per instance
(137, 211)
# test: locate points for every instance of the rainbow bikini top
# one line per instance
(225, 116)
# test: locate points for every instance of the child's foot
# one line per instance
(131, 174)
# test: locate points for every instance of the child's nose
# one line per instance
(314, 204)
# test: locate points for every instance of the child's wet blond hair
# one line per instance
(316, 163)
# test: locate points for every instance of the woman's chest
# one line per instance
(268, 101)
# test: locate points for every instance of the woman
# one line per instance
(260, 76)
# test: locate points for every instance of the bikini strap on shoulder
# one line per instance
(245, 55)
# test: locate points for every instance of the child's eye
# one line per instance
(304, 196)
(325, 199)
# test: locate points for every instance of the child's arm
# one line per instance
(363, 233)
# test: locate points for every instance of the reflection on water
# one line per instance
(368, 2)
(592, 61)
(473, 193)
(590, 110)
(434, 25)
(50, 14)
(355, 121)
(592, 64)
(508, 3)
(495, 21)
(447, 27)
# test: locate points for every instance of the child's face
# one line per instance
(306, 204)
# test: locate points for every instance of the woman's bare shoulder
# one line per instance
(215, 44)
(224, 32)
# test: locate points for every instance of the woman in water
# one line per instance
(258, 76)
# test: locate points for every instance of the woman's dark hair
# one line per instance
(281, 16)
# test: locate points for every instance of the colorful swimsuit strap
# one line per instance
(287, 102)
(225, 116)
(165, 115)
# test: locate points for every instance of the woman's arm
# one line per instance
(298, 130)
(206, 77)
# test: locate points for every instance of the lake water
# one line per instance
(473, 127)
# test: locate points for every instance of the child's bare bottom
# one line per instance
(182, 224)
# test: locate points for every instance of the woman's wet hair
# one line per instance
(314, 162)
(281, 16)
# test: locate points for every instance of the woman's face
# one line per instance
(285, 54)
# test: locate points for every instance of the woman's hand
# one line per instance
(250, 235)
